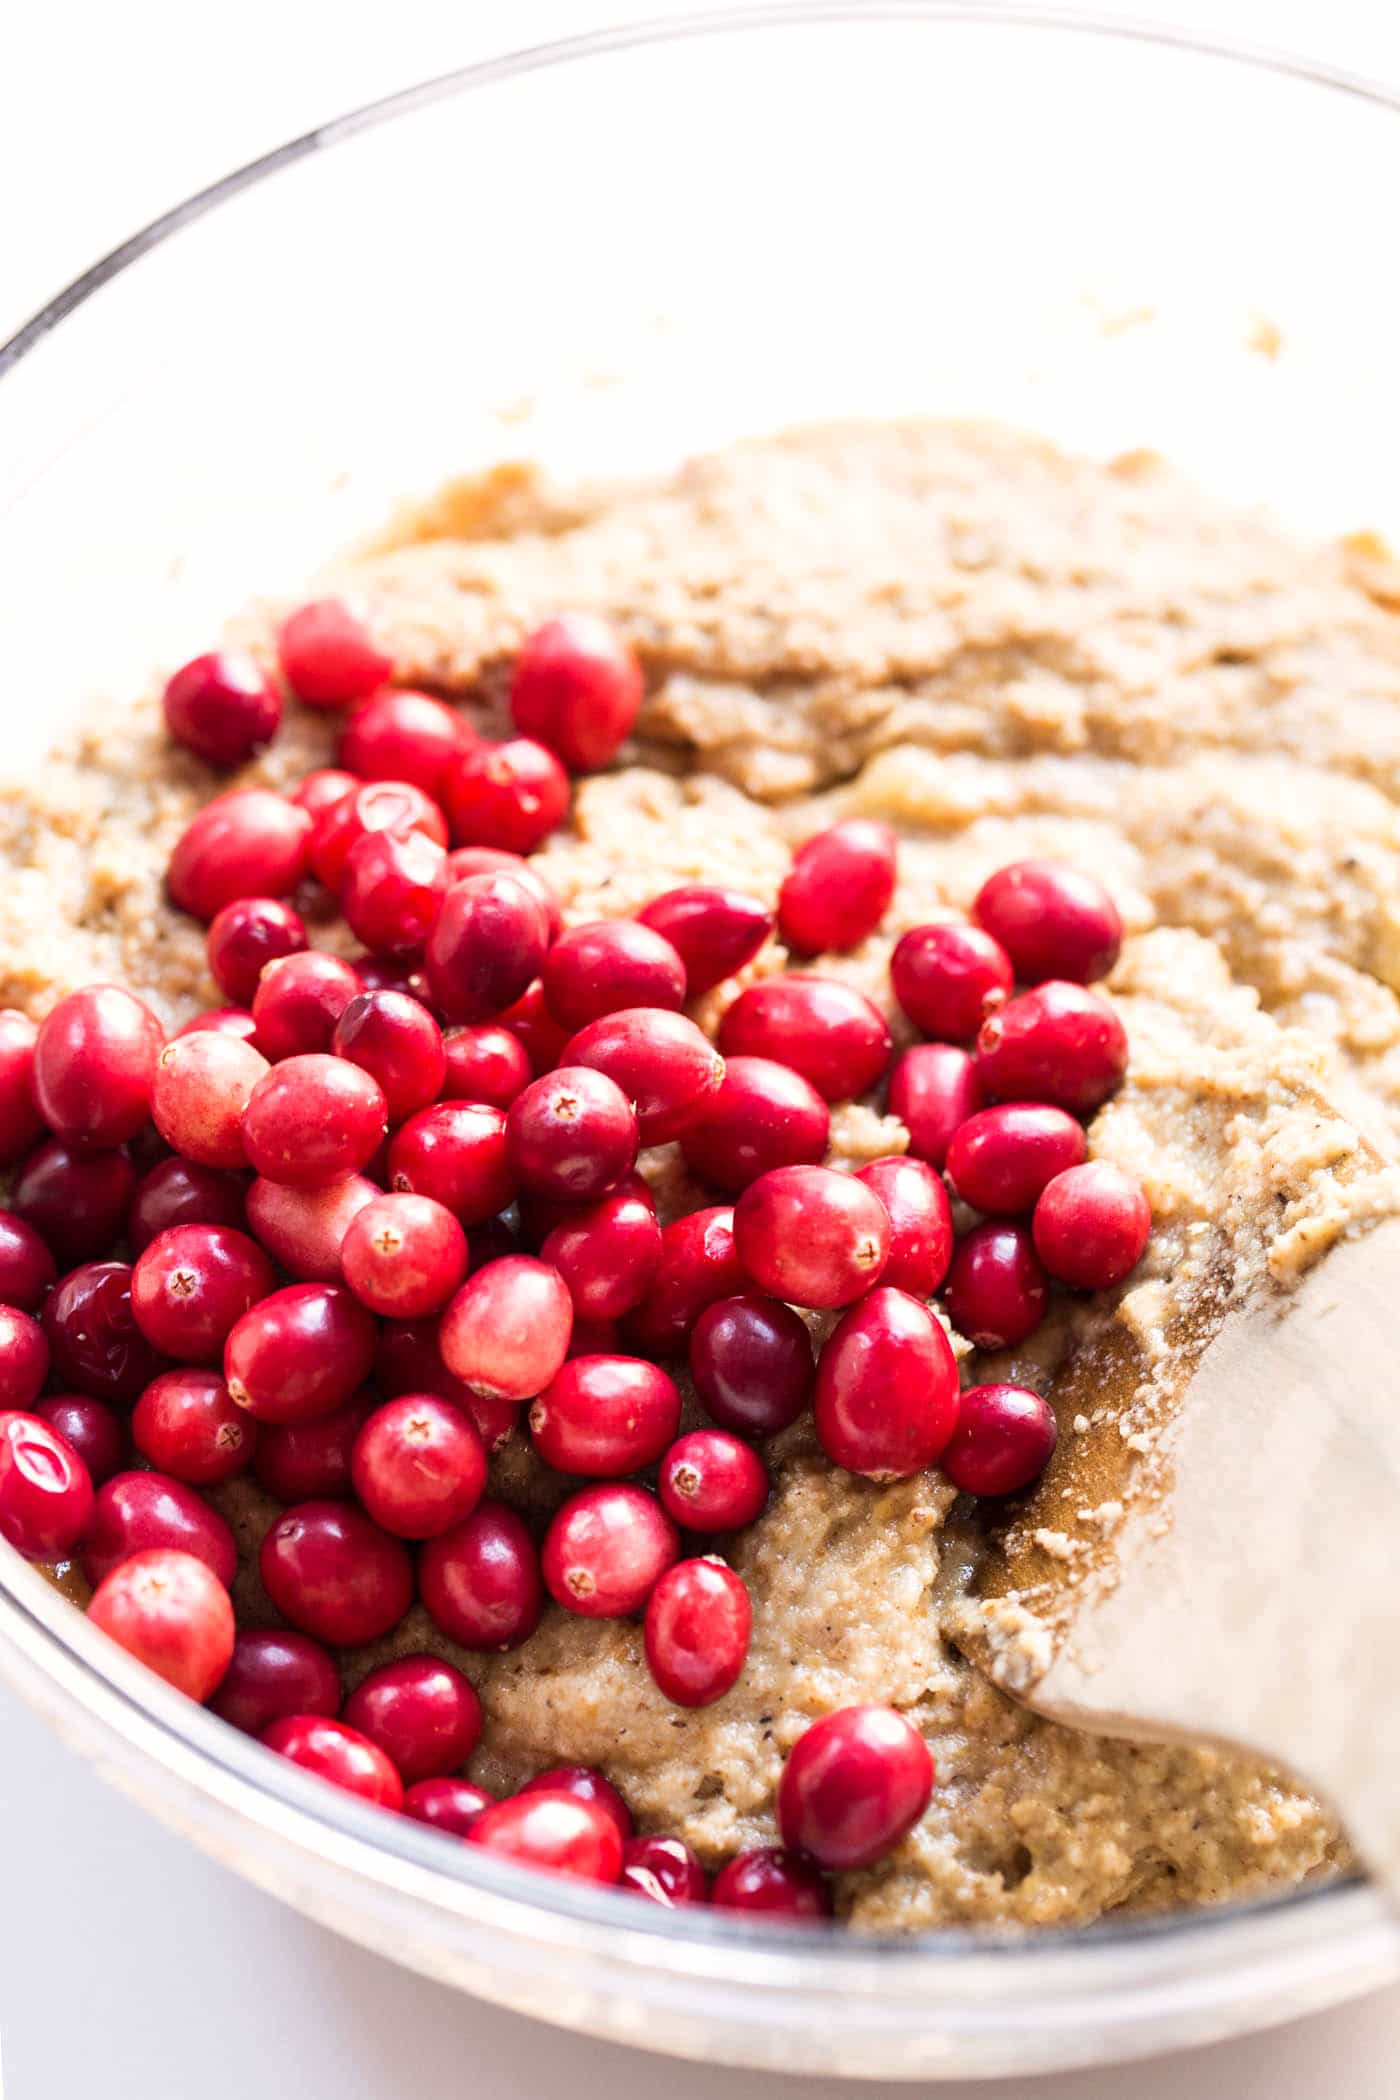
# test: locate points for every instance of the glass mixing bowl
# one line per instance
(603, 255)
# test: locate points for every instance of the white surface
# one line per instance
(129, 1965)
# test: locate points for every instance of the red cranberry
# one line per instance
(330, 1569)
(595, 1338)
(509, 795)
(300, 1353)
(839, 887)
(535, 1028)
(94, 1062)
(393, 891)
(605, 1415)
(27, 1268)
(778, 1884)
(948, 978)
(763, 1116)
(709, 1481)
(181, 1192)
(608, 1254)
(486, 1063)
(251, 843)
(455, 1153)
(76, 1201)
(666, 1068)
(275, 1673)
(507, 1330)
(465, 861)
(165, 1608)
(203, 1084)
(487, 945)
(571, 1135)
(321, 790)
(298, 1002)
(664, 1870)
(606, 1549)
(409, 1361)
(91, 1329)
(855, 1784)
(137, 1511)
(751, 1359)
(397, 1041)
(24, 1356)
(46, 1498)
(608, 966)
(583, 1783)
(304, 1229)
(1004, 1440)
(404, 1256)
(577, 688)
(95, 1431)
(553, 1833)
(423, 1714)
(327, 655)
(244, 936)
(403, 736)
(480, 1583)
(811, 1235)
(934, 1088)
(313, 1120)
(886, 1400)
(1057, 1043)
(187, 1426)
(715, 932)
(395, 807)
(220, 1020)
(1000, 1159)
(696, 1632)
(921, 1223)
(418, 1466)
(1091, 1225)
(824, 1029)
(310, 1461)
(699, 1263)
(449, 1805)
(337, 1753)
(222, 707)
(192, 1283)
(1053, 921)
(996, 1288)
(21, 1124)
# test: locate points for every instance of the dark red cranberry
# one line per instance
(298, 1002)
(321, 790)
(571, 1135)
(509, 795)
(244, 936)
(608, 1254)
(424, 1715)
(996, 1291)
(605, 1415)
(663, 1870)
(203, 1084)
(313, 1120)
(480, 1583)
(134, 1511)
(666, 1068)
(187, 1426)
(418, 1466)
(696, 1632)
(1004, 1440)
(395, 807)
(220, 1020)
(455, 1153)
(775, 1883)
(335, 1574)
(385, 973)
(223, 707)
(181, 1192)
(699, 1263)
(751, 1359)
(304, 1229)
(1000, 1159)
(404, 1256)
(449, 1805)
(486, 947)
(811, 1235)
(606, 1549)
(21, 1124)
(300, 1353)
(251, 843)
(27, 1270)
(948, 978)
(583, 1783)
(465, 861)
(826, 1030)
(46, 1499)
(275, 1672)
(535, 1028)
(607, 966)
(94, 1062)
(91, 1328)
(855, 1784)
(403, 736)
(551, 1832)
(577, 688)
(76, 1201)
(165, 1608)
(1057, 1043)
(1053, 921)
(921, 1223)
(310, 1461)
(337, 1753)
(393, 891)
(595, 1338)
(886, 1399)
(765, 1115)
(1091, 1225)
(839, 887)
(409, 1361)
(714, 931)
(397, 1041)
(486, 1063)
(709, 1481)
(506, 1332)
(95, 1431)
(24, 1356)
(934, 1088)
(190, 1286)
(328, 656)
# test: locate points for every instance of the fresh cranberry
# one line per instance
(1091, 1225)
(696, 1631)
(595, 1338)
(1004, 1440)
(76, 1201)
(775, 1883)
(313, 1120)
(187, 1426)
(553, 1833)
(337, 1753)
(714, 931)
(95, 1431)
(571, 1135)
(393, 891)
(92, 1332)
(934, 1088)
(709, 1481)
(251, 843)
(811, 1235)
(244, 936)
(583, 1783)
(1000, 1159)
(507, 1330)
(699, 1263)
(222, 707)
(299, 1001)
(839, 887)
(418, 1466)
(403, 736)
(666, 1068)
(886, 1399)
(409, 1361)
(310, 1461)
(220, 1020)
(134, 1511)
(1057, 1043)
(46, 1499)
(664, 1870)
(948, 978)
(166, 1608)
(824, 1029)
(335, 1574)
(1053, 921)
(486, 1063)
(455, 1153)
(300, 1353)
(275, 1672)
(203, 1084)
(404, 1255)
(921, 1223)
(855, 1784)
(397, 1041)
(607, 1254)
(27, 1269)
(424, 1715)
(394, 807)
(610, 965)
(480, 1583)
(764, 1115)
(535, 1028)
(192, 1283)
(486, 947)
(996, 1290)
(304, 1229)
(465, 861)
(94, 1062)
(606, 1549)
(322, 789)
(21, 1124)
(180, 1192)
(605, 1415)
(327, 655)
(509, 795)
(387, 973)
(751, 1360)
(577, 688)
(449, 1805)
(24, 1356)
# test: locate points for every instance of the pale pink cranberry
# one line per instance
(24, 1356)
(91, 1330)
(465, 861)
(811, 1235)
(1004, 1440)
(300, 1353)
(948, 978)
(839, 887)
(610, 965)
(247, 934)
(1091, 1225)
(577, 688)
(409, 1360)
(826, 1030)
(553, 1833)
(335, 1574)
(666, 1068)
(855, 1784)
(298, 1002)
(606, 1549)
(571, 1135)
(220, 1020)
(608, 1254)
(275, 1672)
(167, 1609)
(136, 1511)
(509, 795)
(486, 1063)
(321, 790)
(709, 1481)
(310, 1461)
(418, 1466)
(95, 1431)
(223, 707)
(336, 1753)
(21, 1124)
(1000, 1159)
(393, 891)
(186, 1425)
(449, 1805)
(251, 843)
(397, 1041)
(304, 1229)
(94, 1062)
(191, 1284)
(751, 1360)
(699, 1264)
(775, 1883)
(535, 1028)
(203, 1084)
(764, 1115)
(696, 1632)
(181, 1192)
(1057, 1043)
(313, 1120)
(934, 1088)
(506, 1332)
(714, 931)
(455, 1153)
(480, 1583)
(921, 1223)
(996, 1292)
(76, 1201)
(327, 655)
(392, 806)
(46, 1498)
(583, 1783)
(1052, 920)
(605, 1415)
(404, 1256)
(27, 1269)
(486, 947)
(424, 1715)
(886, 1399)
(403, 736)
(664, 1870)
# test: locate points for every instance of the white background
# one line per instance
(129, 1966)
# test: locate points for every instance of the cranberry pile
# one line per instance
(353, 1228)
